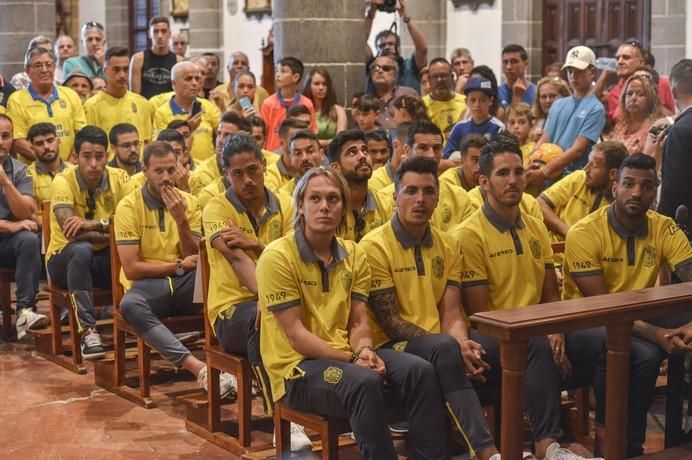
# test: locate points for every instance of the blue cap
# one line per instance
(479, 84)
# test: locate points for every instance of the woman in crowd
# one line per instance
(408, 108)
(244, 89)
(548, 90)
(330, 116)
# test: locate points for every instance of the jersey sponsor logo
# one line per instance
(404, 269)
(649, 256)
(613, 260)
(332, 375)
(535, 247)
(438, 267)
(501, 253)
(157, 76)
(346, 279)
(310, 283)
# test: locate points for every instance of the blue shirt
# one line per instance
(409, 74)
(505, 93)
(569, 118)
(489, 129)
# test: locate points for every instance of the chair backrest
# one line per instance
(116, 288)
(45, 221)
(209, 336)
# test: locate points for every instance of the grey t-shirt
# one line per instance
(24, 184)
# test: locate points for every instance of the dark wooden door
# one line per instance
(599, 24)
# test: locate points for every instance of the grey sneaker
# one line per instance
(92, 348)
(299, 440)
(555, 452)
(228, 384)
(29, 320)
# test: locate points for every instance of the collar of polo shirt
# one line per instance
(308, 256)
(498, 222)
(406, 240)
(103, 183)
(642, 231)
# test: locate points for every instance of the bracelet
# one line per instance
(356, 356)
(406, 19)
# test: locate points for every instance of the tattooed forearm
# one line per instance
(385, 307)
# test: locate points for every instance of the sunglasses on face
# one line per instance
(383, 68)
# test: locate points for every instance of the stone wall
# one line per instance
(118, 22)
(19, 23)
(431, 18)
(522, 23)
(668, 33)
(206, 31)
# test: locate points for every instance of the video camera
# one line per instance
(389, 6)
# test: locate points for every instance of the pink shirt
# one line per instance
(665, 96)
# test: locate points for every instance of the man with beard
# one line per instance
(116, 104)
(467, 173)
(444, 105)
(19, 244)
(348, 155)
(126, 148)
(622, 248)
(82, 201)
(157, 230)
(239, 223)
(46, 144)
(305, 154)
(151, 69)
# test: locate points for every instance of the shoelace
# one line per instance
(92, 340)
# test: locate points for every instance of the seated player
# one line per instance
(384, 176)
(466, 174)
(83, 199)
(378, 148)
(157, 230)
(305, 153)
(415, 298)
(619, 248)
(315, 339)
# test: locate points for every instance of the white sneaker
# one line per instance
(30, 320)
(228, 384)
(92, 347)
(299, 440)
(555, 452)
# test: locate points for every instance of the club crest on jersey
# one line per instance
(535, 247)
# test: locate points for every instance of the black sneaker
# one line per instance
(91, 345)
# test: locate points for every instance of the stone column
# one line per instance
(522, 22)
(19, 23)
(118, 23)
(206, 33)
(668, 33)
(431, 18)
(326, 33)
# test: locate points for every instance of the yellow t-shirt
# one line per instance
(106, 111)
(270, 157)
(528, 204)
(226, 92)
(204, 174)
(381, 177)
(276, 176)
(203, 143)
(42, 181)
(64, 110)
(217, 187)
(143, 221)
(158, 100)
(375, 213)
(599, 245)
(455, 176)
(445, 113)
(225, 290)
(418, 274)
(452, 209)
(290, 276)
(69, 190)
(526, 150)
(510, 260)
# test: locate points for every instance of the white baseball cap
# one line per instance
(579, 57)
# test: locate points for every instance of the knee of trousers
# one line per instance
(133, 308)
(445, 346)
(27, 243)
(81, 251)
(369, 383)
(646, 360)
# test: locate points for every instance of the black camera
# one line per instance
(657, 129)
(389, 6)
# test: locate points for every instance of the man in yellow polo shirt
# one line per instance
(183, 127)
(466, 174)
(425, 139)
(508, 263)
(582, 192)
(126, 148)
(203, 116)
(348, 155)
(46, 144)
(281, 172)
(43, 101)
(157, 230)
(315, 339)
(444, 105)
(116, 104)
(415, 298)
(620, 248)
(83, 198)
(305, 153)
(239, 223)
(384, 176)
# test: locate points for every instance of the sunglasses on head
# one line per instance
(90, 24)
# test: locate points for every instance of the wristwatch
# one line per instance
(104, 224)
(179, 268)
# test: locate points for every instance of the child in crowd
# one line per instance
(289, 72)
(519, 123)
(479, 97)
(368, 111)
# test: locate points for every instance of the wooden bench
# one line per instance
(617, 312)
(50, 343)
(220, 361)
(110, 373)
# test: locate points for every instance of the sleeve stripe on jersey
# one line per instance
(682, 265)
(284, 306)
(589, 273)
(214, 236)
(454, 283)
(381, 291)
(547, 200)
(467, 284)
(125, 242)
(359, 296)
(63, 205)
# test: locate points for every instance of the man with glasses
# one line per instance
(383, 73)
(125, 148)
(116, 104)
(82, 201)
(150, 70)
(94, 42)
(389, 44)
(43, 101)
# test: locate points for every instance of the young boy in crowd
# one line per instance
(479, 98)
(519, 123)
(289, 72)
(368, 111)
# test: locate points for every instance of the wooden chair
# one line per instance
(220, 361)
(49, 342)
(6, 277)
(110, 373)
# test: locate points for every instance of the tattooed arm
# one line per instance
(77, 229)
(385, 307)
